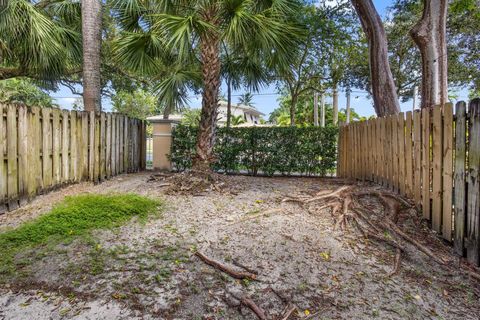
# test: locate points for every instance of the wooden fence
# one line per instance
(431, 156)
(44, 148)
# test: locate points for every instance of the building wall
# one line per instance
(248, 117)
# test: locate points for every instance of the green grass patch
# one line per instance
(75, 216)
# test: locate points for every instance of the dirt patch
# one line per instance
(302, 260)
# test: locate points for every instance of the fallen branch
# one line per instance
(233, 273)
(253, 306)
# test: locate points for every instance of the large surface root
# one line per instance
(347, 209)
(194, 182)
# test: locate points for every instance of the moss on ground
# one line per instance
(75, 217)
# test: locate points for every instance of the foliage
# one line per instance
(75, 216)
(38, 41)
(246, 99)
(137, 104)
(463, 45)
(262, 150)
(24, 92)
(304, 112)
(191, 117)
(236, 120)
(331, 54)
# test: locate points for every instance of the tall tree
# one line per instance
(241, 69)
(383, 86)
(246, 99)
(158, 28)
(92, 43)
(430, 36)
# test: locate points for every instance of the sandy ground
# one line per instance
(148, 271)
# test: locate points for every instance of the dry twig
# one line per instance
(233, 273)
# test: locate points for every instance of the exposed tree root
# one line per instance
(246, 301)
(255, 216)
(346, 208)
(287, 313)
(233, 273)
(193, 182)
(244, 267)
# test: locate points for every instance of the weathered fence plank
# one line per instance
(102, 147)
(12, 169)
(417, 154)
(3, 165)
(65, 147)
(56, 130)
(47, 148)
(401, 153)
(473, 177)
(437, 169)
(74, 158)
(408, 156)
(22, 155)
(447, 175)
(459, 179)
(426, 163)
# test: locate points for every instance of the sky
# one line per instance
(266, 100)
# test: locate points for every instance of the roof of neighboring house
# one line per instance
(251, 124)
(247, 109)
(159, 118)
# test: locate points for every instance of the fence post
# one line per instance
(162, 141)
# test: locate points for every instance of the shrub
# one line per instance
(266, 150)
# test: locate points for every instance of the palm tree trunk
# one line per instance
(92, 42)
(384, 92)
(210, 60)
(335, 105)
(430, 36)
(229, 102)
(293, 106)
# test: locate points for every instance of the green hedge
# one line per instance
(266, 150)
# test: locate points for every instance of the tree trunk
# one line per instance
(430, 36)
(92, 42)
(315, 109)
(335, 105)
(348, 107)
(322, 108)
(293, 106)
(210, 61)
(384, 92)
(166, 112)
(229, 102)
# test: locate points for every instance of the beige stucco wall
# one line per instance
(162, 141)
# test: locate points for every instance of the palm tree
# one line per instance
(92, 43)
(241, 69)
(236, 120)
(246, 99)
(39, 40)
(200, 26)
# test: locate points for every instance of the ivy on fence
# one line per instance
(262, 150)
